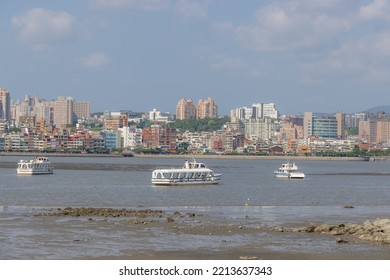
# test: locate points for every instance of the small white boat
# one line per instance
(289, 171)
(192, 173)
(37, 166)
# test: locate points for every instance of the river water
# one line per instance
(248, 187)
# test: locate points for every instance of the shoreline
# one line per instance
(232, 157)
(198, 236)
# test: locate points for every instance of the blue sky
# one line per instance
(302, 55)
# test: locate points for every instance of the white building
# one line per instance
(257, 111)
(131, 137)
(259, 129)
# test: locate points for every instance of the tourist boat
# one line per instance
(289, 171)
(192, 173)
(37, 166)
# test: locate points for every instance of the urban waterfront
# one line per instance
(333, 192)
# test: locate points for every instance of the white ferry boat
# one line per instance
(37, 166)
(192, 173)
(289, 171)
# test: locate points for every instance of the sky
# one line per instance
(303, 55)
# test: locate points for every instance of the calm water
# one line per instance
(327, 183)
(248, 186)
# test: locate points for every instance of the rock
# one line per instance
(323, 228)
(310, 228)
(341, 241)
(348, 206)
(170, 220)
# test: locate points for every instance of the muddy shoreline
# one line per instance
(231, 240)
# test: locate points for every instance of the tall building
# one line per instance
(206, 109)
(323, 127)
(259, 129)
(63, 111)
(307, 125)
(383, 131)
(263, 110)
(81, 109)
(257, 111)
(354, 120)
(340, 118)
(185, 109)
(5, 105)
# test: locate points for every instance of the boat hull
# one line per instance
(289, 171)
(33, 172)
(185, 181)
(192, 173)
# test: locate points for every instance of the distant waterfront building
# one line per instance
(159, 137)
(354, 120)
(157, 116)
(82, 109)
(185, 109)
(259, 129)
(3, 126)
(340, 118)
(257, 111)
(206, 109)
(63, 111)
(112, 139)
(263, 110)
(5, 104)
(115, 120)
(376, 129)
(324, 126)
(131, 137)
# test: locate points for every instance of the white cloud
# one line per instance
(95, 60)
(190, 9)
(322, 39)
(130, 4)
(355, 59)
(42, 26)
(379, 9)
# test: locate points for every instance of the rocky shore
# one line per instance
(376, 231)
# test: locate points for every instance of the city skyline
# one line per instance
(326, 56)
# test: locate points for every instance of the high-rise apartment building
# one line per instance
(376, 129)
(185, 109)
(5, 104)
(340, 118)
(63, 111)
(206, 109)
(82, 109)
(257, 111)
(264, 110)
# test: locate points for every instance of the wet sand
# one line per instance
(144, 234)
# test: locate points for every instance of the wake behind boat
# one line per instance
(192, 173)
(289, 171)
(37, 166)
